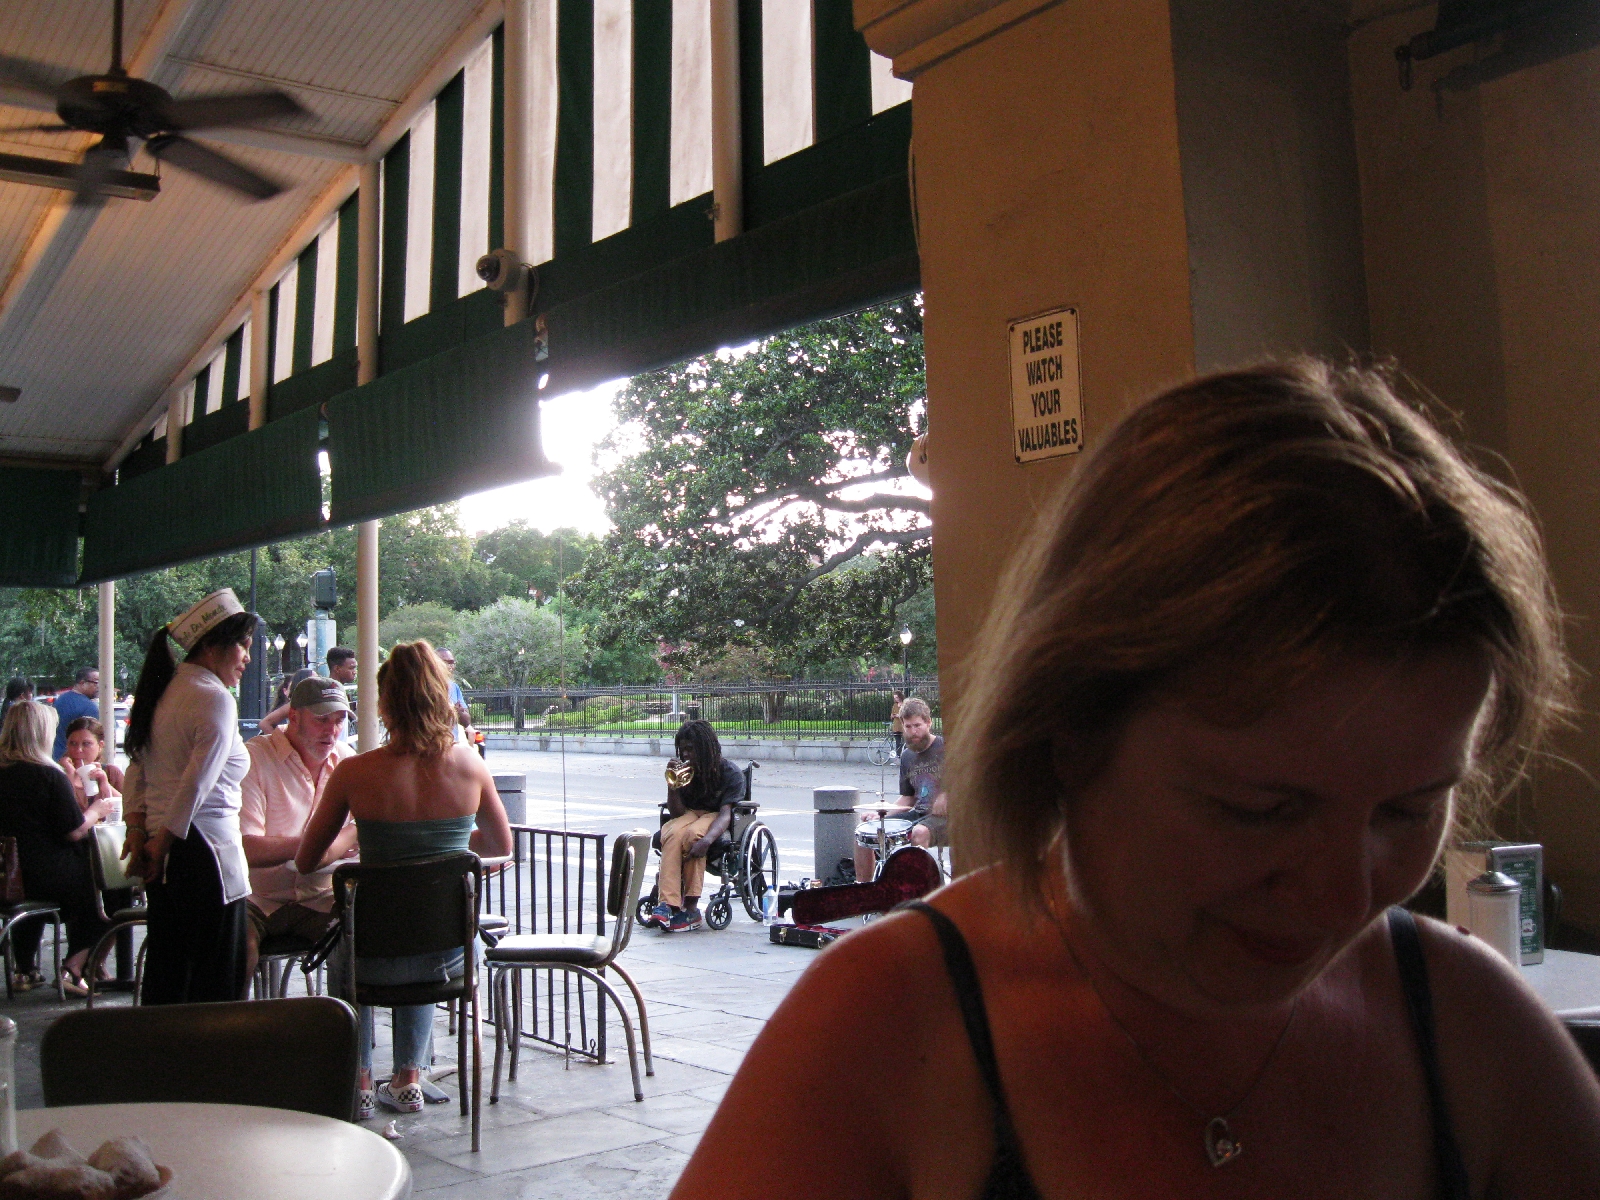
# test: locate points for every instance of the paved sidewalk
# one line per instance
(576, 1131)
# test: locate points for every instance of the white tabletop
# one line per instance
(237, 1152)
(1566, 980)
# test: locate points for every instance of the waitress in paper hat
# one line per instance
(183, 803)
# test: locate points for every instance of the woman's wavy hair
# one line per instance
(160, 666)
(1237, 533)
(414, 701)
(28, 734)
(696, 743)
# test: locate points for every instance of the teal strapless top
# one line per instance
(406, 841)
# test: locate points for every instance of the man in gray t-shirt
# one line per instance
(921, 788)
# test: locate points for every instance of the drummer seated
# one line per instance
(921, 799)
(289, 768)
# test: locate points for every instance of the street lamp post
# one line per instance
(905, 658)
(277, 644)
(300, 640)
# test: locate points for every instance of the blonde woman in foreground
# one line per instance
(418, 796)
(1274, 641)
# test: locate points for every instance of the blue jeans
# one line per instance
(413, 1023)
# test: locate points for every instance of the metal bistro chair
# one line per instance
(12, 915)
(580, 954)
(111, 874)
(422, 907)
(297, 1054)
(276, 958)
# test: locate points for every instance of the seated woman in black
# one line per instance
(701, 810)
(38, 809)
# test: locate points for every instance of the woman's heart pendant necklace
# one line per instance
(1222, 1147)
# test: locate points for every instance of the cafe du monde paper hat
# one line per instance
(193, 625)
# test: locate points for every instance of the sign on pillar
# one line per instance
(1046, 387)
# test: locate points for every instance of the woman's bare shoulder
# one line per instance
(1527, 1101)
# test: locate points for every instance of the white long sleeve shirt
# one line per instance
(191, 771)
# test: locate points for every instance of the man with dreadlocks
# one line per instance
(702, 810)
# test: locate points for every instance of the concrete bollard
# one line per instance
(513, 791)
(833, 831)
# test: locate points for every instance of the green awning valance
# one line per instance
(39, 526)
(831, 258)
(464, 420)
(252, 489)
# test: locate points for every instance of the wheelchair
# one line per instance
(744, 858)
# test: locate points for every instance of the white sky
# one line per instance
(570, 427)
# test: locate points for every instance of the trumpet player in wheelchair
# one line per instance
(702, 788)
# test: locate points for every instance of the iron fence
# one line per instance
(840, 709)
(555, 883)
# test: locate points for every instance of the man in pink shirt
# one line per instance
(289, 768)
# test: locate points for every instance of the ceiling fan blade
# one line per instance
(238, 108)
(208, 164)
(28, 84)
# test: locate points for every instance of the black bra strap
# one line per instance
(1413, 968)
(969, 994)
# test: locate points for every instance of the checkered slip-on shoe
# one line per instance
(407, 1100)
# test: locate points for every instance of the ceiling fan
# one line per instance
(121, 108)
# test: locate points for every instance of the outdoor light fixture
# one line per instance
(300, 641)
(277, 643)
(905, 637)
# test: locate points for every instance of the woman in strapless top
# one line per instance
(417, 796)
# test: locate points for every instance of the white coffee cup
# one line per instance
(91, 786)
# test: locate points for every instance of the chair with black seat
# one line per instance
(297, 1054)
(580, 954)
(111, 875)
(424, 907)
(275, 962)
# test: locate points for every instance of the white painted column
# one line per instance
(260, 365)
(367, 531)
(108, 666)
(175, 415)
(727, 142)
(518, 63)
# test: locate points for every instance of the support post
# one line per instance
(727, 166)
(175, 426)
(518, 62)
(108, 666)
(367, 531)
(260, 365)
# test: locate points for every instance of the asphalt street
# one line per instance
(609, 794)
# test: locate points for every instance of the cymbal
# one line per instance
(873, 808)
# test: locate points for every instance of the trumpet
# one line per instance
(680, 773)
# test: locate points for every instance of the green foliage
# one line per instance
(411, 622)
(515, 643)
(537, 561)
(757, 504)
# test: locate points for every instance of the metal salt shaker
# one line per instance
(8, 1079)
(1494, 913)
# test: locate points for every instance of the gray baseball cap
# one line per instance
(321, 696)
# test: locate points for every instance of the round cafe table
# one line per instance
(1567, 981)
(238, 1152)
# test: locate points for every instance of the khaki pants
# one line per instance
(680, 874)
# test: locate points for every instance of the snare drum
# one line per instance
(896, 833)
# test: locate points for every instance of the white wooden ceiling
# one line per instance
(101, 312)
